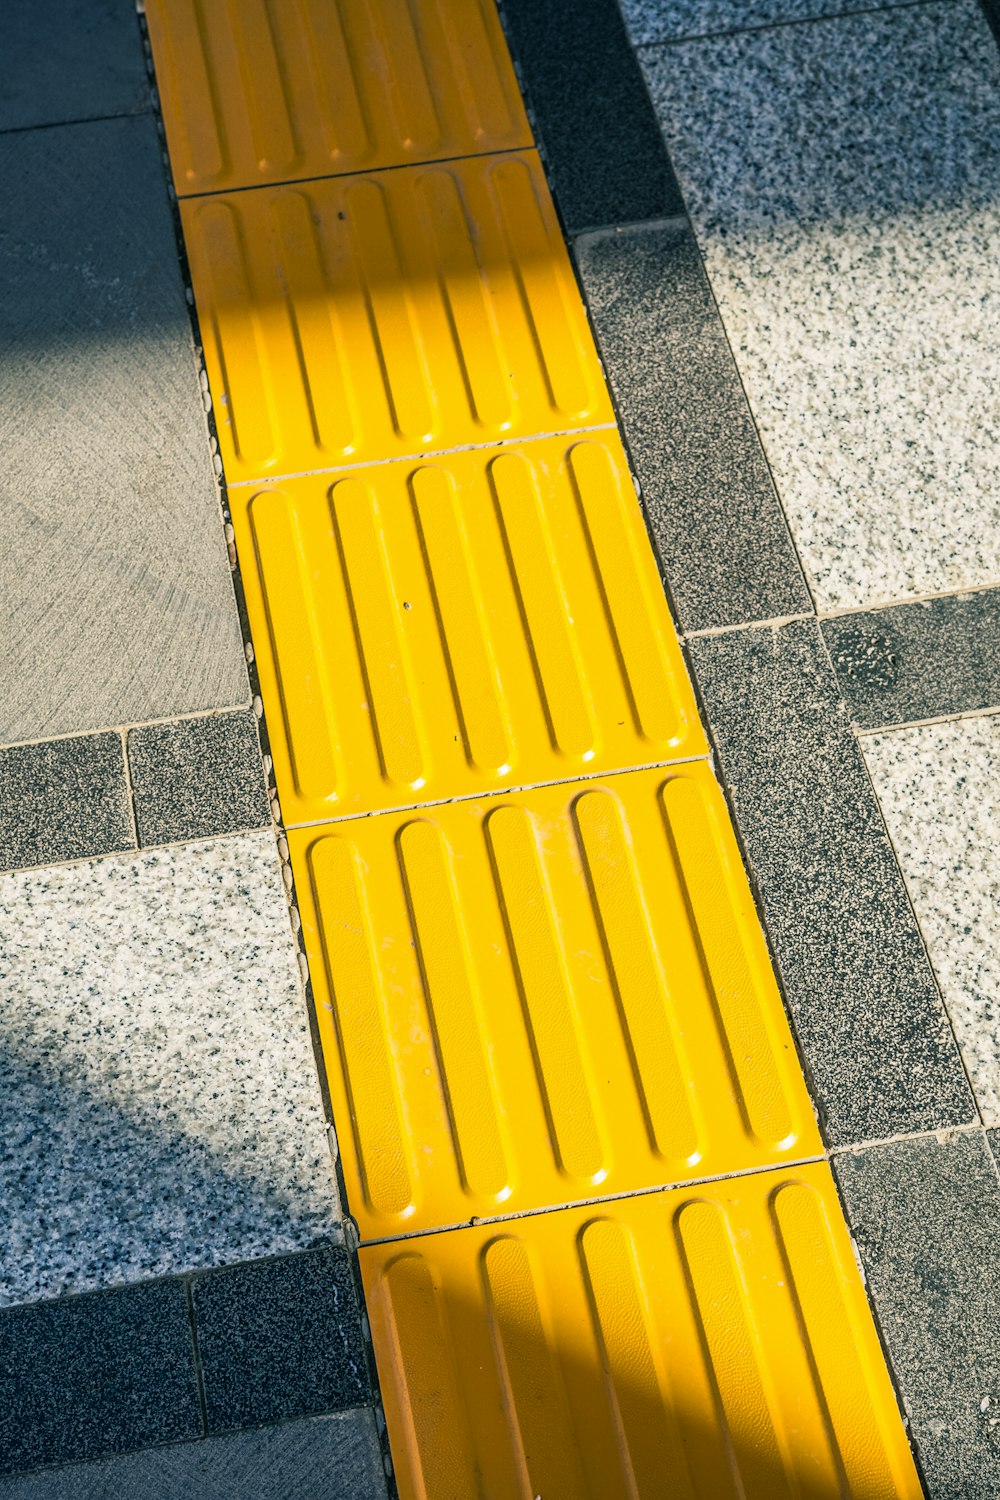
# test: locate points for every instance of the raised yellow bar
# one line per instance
(710, 1343)
(264, 91)
(459, 625)
(543, 997)
(373, 317)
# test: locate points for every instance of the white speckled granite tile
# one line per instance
(939, 788)
(665, 20)
(842, 181)
(159, 1103)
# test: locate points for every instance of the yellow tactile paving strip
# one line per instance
(263, 91)
(542, 997)
(705, 1343)
(541, 987)
(372, 317)
(459, 625)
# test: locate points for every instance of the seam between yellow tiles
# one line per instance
(305, 182)
(508, 791)
(599, 1201)
(529, 832)
(375, 463)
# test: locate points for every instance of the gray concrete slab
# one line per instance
(877, 1043)
(326, 1458)
(925, 1215)
(198, 777)
(70, 60)
(118, 602)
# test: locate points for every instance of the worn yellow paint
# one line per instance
(459, 625)
(540, 997)
(704, 1343)
(370, 317)
(262, 91)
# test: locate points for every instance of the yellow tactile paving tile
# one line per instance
(543, 997)
(459, 625)
(371, 317)
(263, 91)
(699, 1344)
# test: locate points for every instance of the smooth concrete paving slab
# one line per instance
(841, 179)
(74, 60)
(326, 1458)
(939, 789)
(925, 1216)
(718, 527)
(118, 600)
(159, 1107)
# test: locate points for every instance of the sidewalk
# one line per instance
(364, 850)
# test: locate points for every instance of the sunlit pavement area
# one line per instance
(500, 770)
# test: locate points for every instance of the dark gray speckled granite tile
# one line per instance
(718, 527)
(62, 800)
(81, 1377)
(876, 1039)
(602, 144)
(280, 1338)
(198, 777)
(918, 661)
(925, 1215)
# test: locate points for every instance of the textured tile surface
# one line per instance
(197, 778)
(84, 1376)
(599, 133)
(159, 1108)
(545, 996)
(841, 178)
(336, 88)
(925, 1215)
(876, 1039)
(720, 532)
(939, 790)
(117, 596)
(327, 1458)
(459, 625)
(666, 20)
(64, 800)
(918, 661)
(660, 1345)
(279, 1339)
(85, 61)
(378, 316)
